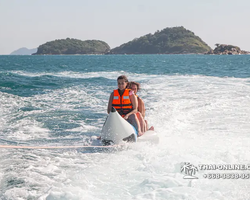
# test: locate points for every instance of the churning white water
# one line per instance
(199, 119)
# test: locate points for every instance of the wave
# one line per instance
(68, 74)
(199, 119)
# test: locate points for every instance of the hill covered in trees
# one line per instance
(176, 40)
(73, 46)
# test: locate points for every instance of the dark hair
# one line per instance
(123, 77)
(134, 83)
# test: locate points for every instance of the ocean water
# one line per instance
(198, 104)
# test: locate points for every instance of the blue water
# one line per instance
(198, 104)
(207, 65)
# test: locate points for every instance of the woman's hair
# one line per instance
(123, 77)
(134, 83)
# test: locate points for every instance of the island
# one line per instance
(72, 46)
(225, 49)
(175, 40)
(24, 51)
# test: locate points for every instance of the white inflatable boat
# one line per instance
(117, 130)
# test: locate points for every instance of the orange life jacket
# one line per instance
(122, 104)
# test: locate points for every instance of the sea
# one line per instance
(199, 106)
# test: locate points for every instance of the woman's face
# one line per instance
(134, 88)
(121, 84)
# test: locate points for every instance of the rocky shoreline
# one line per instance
(224, 49)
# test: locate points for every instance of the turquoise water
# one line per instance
(198, 104)
(49, 68)
(15, 70)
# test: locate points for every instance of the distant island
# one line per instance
(73, 46)
(176, 40)
(224, 49)
(24, 51)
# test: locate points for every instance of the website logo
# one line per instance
(189, 170)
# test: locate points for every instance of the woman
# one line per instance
(125, 102)
(134, 86)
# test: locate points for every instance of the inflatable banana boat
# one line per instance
(117, 130)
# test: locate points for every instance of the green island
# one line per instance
(73, 46)
(176, 40)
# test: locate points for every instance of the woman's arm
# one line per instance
(134, 102)
(141, 107)
(110, 102)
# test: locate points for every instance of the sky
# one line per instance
(30, 23)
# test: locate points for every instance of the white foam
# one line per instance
(199, 119)
(25, 127)
(73, 74)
